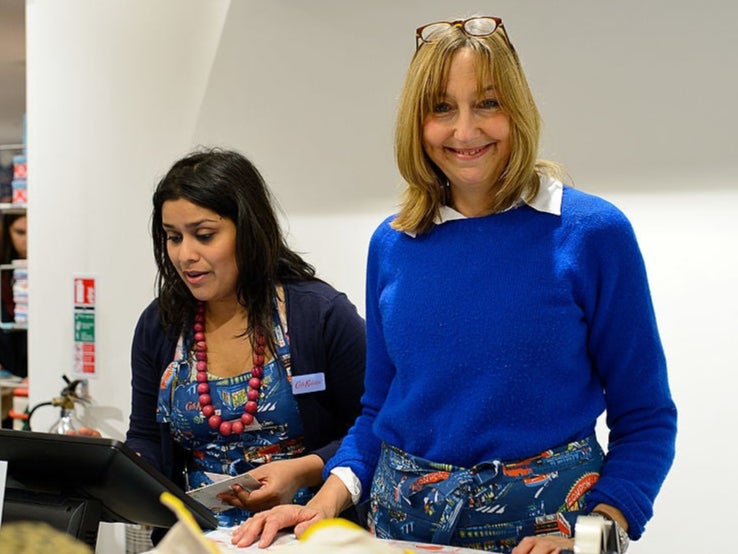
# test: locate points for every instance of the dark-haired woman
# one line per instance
(246, 361)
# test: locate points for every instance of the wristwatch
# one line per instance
(620, 534)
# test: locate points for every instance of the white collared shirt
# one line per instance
(548, 200)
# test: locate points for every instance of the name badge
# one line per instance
(312, 382)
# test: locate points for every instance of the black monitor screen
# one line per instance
(86, 477)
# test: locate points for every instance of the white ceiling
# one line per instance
(12, 70)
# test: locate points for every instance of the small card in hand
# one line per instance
(208, 495)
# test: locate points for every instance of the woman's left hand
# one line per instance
(280, 480)
(543, 544)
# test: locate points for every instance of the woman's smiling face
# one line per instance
(202, 247)
(467, 135)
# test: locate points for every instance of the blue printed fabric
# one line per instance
(276, 434)
(490, 506)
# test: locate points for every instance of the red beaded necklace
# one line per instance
(203, 388)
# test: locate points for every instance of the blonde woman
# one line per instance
(506, 311)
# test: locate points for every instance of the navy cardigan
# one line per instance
(326, 335)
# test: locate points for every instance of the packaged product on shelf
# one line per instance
(20, 290)
(20, 174)
(20, 194)
(20, 168)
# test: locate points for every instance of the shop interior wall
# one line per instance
(638, 103)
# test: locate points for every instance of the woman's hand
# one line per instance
(551, 544)
(267, 524)
(332, 498)
(280, 480)
(543, 544)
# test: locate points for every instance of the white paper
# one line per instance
(3, 481)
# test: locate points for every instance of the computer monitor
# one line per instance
(74, 482)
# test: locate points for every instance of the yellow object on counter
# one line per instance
(185, 537)
(337, 535)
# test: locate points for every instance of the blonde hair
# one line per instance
(425, 85)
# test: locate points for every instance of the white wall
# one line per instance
(638, 102)
(688, 239)
(114, 90)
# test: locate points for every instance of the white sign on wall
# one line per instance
(84, 327)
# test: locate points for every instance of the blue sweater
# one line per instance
(499, 337)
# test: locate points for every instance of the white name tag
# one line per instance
(313, 382)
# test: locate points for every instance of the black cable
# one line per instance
(36, 407)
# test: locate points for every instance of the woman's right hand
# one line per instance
(264, 526)
(279, 480)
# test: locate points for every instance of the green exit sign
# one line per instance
(84, 327)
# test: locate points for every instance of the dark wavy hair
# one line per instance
(227, 183)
